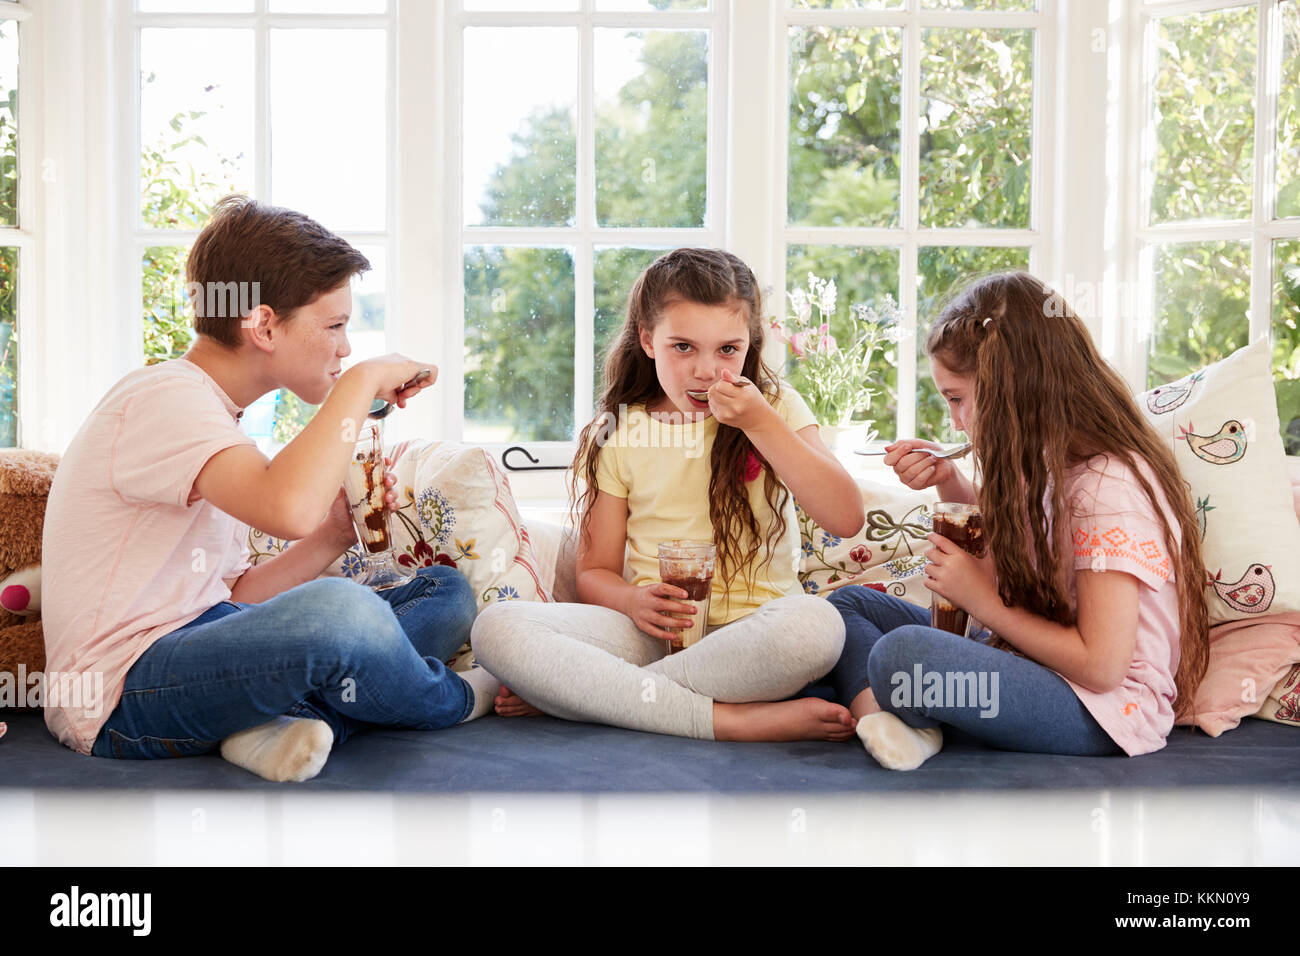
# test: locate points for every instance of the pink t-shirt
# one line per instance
(130, 550)
(1113, 528)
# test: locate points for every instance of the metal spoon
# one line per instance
(380, 408)
(959, 452)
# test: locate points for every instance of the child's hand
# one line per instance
(339, 518)
(917, 468)
(650, 607)
(965, 580)
(389, 372)
(737, 402)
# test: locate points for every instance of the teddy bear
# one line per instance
(25, 478)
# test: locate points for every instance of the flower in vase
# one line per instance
(834, 373)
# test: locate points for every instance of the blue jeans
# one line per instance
(329, 648)
(1002, 699)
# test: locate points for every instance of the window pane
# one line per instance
(997, 5)
(1202, 295)
(196, 6)
(328, 6)
(616, 270)
(196, 122)
(327, 167)
(1288, 114)
(518, 344)
(366, 328)
(650, 5)
(843, 4)
(845, 90)
(8, 347)
(862, 276)
(1205, 115)
(168, 323)
(526, 6)
(520, 141)
(976, 126)
(941, 271)
(1286, 339)
(8, 125)
(652, 112)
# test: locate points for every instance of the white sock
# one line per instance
(895, 745)
(284, 749)
(485, 688)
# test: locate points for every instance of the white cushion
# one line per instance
(455, 508)
(886, 554)
(1222, 425)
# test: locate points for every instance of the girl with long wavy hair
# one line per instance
(695, 438)
(1091, 586)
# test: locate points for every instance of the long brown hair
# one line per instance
(705, 277)
(1045, 400)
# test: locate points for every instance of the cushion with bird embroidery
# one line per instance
(1222, 424)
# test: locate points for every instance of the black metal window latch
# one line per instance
(535, 466)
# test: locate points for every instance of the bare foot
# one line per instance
(863, 704)
(510, 704)
(809, 718)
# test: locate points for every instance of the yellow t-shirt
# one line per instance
(663, 471)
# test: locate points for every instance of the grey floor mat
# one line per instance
(545, 754)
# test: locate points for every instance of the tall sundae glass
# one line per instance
(365, 489)
(961, 524)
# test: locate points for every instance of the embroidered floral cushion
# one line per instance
(456, 509)
(887, 554)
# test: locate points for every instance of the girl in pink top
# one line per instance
(1091, 584)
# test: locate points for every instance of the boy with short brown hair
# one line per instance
(147, 584)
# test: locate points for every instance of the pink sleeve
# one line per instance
(165, 437)
(245, 560)
(1114, 528)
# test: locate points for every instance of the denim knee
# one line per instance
(896, 652)
(460, 605)
(352, 617)
(859, 599)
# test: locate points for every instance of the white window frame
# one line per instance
(130, 22)
(1141, 239)
(90, 85)
(909, 236)
(753, 195)
(33, 336)
(585, 234)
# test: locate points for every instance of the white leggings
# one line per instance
(591, 663)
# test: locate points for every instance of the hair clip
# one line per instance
(986, 322)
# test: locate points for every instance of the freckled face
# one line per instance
(691, 344)
(314, 345)
(958, 391)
